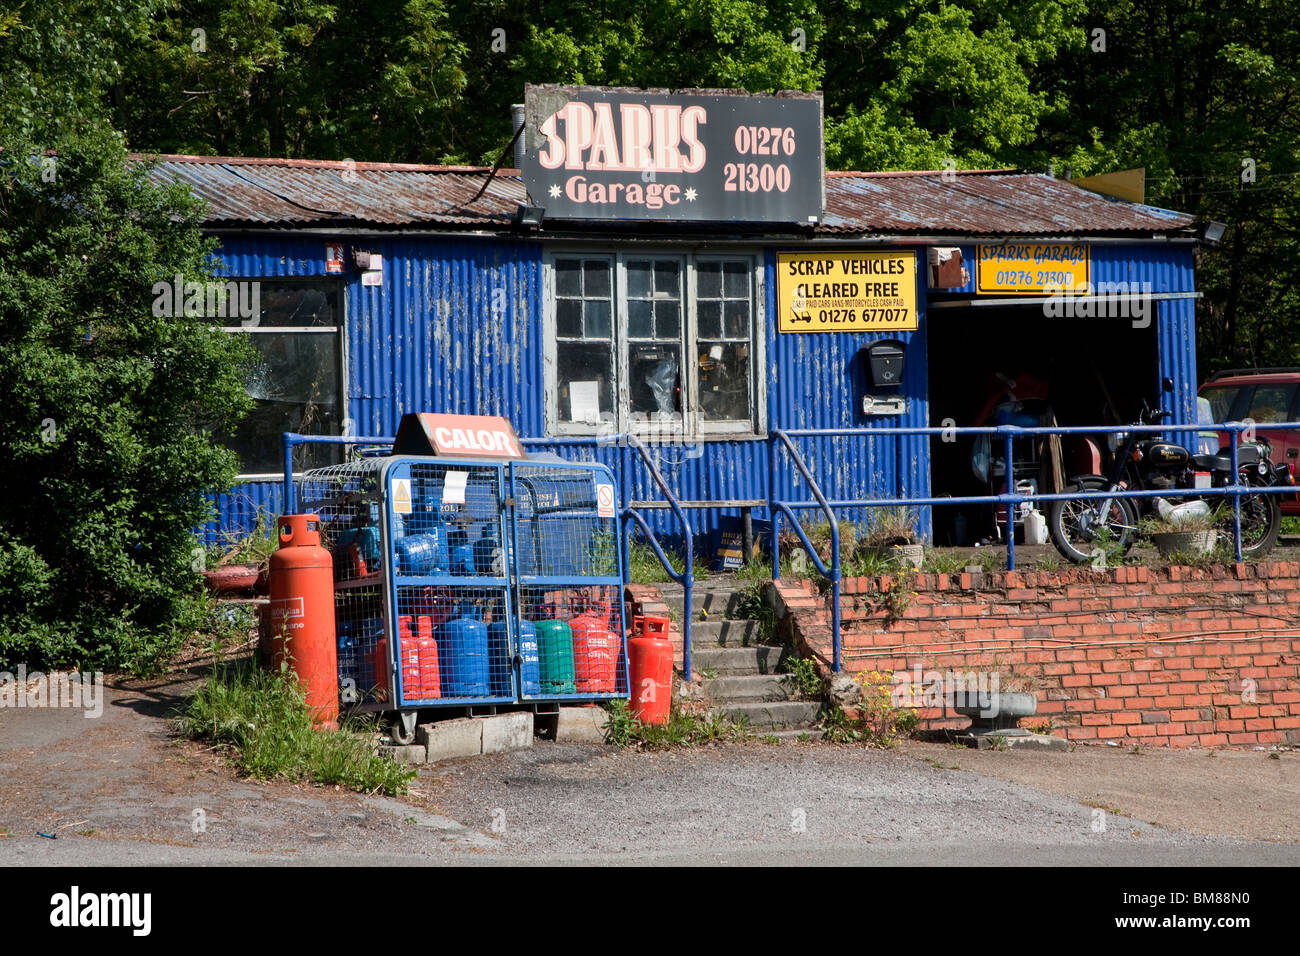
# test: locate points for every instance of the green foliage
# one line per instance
(108, 406)
(263, 720)
(684, 728)
(803, 671)
(876, 721)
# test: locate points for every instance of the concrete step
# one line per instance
(777, 715)
(749, 687)
(719, 600)
(796, 733)
(729, 661)
(725, 633)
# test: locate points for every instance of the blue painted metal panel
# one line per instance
(817, 381)
(457, 327)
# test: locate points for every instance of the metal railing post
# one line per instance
(1236, 489)
(1011, 506)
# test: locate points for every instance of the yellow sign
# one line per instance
(1020, 268)
(846, 291)
(402, 496)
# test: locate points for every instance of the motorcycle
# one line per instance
(1146, 462)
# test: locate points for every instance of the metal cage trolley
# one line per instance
(470, 582)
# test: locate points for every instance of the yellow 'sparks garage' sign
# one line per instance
(1031, 267)
(846, 291)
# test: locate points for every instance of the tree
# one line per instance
(104, 431)
(1206, 97)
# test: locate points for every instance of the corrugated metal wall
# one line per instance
(457, 327)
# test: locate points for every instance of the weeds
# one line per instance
(263, 721)
(876, 721)
(684, 728)
(644, 566)
(803, 671)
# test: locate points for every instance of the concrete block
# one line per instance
(581, 725)
(507, 732)
(460, 737)
(413, 753)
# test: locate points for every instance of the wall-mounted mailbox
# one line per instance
(884, 361)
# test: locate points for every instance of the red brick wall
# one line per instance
(1172, 656)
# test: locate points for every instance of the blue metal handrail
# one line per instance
(1011, 499)
(779, 508)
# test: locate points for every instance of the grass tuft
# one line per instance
(261, 719)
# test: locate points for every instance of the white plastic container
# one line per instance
(1035, 527)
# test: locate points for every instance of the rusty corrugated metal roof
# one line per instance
(295, 192)
(982, 202)
(285, 192)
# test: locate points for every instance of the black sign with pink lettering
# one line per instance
(632, 154)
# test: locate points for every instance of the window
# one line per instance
(295, 380)
(652, 341)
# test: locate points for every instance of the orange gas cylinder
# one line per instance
(430, 677)
(302, 614)
(595, 650)
(650, 664)
(409, 655)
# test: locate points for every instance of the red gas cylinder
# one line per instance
(650, 663)
(419, 652)
(302, 614)
(595, 650)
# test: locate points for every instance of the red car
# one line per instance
(1263, 395)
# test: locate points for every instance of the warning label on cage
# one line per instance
(402, 496)
(605, 501)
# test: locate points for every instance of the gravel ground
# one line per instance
(791, 802)
(122, 789)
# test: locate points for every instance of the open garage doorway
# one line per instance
(1014, 365)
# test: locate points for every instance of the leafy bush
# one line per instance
(108, 408)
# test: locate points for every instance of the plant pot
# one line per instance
(908, 555)
(231, 578)
(1184, 542)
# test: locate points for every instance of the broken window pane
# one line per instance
(724, 381)
(655, 387)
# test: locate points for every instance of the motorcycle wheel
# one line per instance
(1073, 524)
(1261, 522)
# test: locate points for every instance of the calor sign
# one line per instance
(457, 436)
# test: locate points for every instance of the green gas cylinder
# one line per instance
(555, 656)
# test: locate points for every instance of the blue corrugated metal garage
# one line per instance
(386, 289)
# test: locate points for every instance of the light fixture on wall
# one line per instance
(1213, 231)
(529, 217)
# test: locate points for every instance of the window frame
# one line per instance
(692, 425)
(339, 330)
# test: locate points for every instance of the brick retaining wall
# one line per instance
(1173, 656)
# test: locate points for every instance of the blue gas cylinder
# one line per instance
(530, 668)
(424, 553)
(463, 655)
(488, 557)
(462, 552)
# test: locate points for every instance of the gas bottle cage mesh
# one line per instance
(462, 583)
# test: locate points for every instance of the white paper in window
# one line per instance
(584, 402)
(453, 487)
